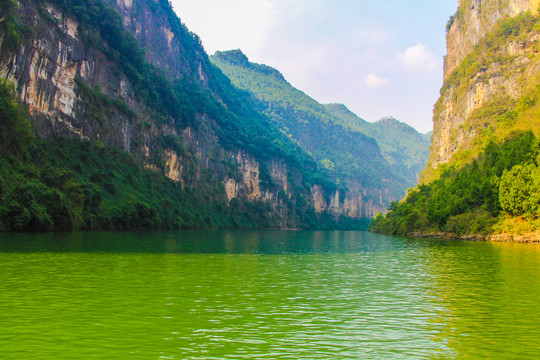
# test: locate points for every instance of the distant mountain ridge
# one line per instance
(404, 150)
(401, 144)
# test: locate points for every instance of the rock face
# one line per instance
(45, 72)
(165, 44)
(73, 90)
(370, 180)
(473, 20)
(479, 74)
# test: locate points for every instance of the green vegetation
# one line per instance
(12, 32)
(72, 184)
(9, 25)
(99, 106)
(402, 146)
(318, 128)
(503, 181)
(502, 114)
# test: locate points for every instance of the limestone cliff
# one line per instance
(46, 70)
(473, 19)
(73, 73)
(491, 70)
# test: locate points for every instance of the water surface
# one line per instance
(265, 295)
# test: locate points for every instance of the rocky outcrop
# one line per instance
(248, 184)
(455, 127)
(352, 203)
(473, 20)
(529, 237)
(479, 74)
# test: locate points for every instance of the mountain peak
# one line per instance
(236, 57)
(392, 122)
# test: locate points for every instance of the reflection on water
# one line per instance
(491, 293)
(202, 242)
(265, 295)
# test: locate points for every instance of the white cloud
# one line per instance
(372, 80)
(225, 25)
(419, 58)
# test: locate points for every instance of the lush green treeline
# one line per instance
(503, 181)
(69, 184)
(72, 184)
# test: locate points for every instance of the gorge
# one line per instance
(130, 77)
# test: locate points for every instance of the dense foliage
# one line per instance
(70, 184)
(358, 157)
(402, 146)
(504, 180)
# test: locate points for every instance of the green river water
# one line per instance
(265, 295)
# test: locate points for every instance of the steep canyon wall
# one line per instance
(75, 91)
(489, 67)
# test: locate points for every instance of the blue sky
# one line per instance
(379, 58)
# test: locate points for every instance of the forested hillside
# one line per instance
(401, 145)
(365, 153)
(478, 198)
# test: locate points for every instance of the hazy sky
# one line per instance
(378, 57)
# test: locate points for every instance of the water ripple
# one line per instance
(402, 299)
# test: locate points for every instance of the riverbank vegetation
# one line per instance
(61, 184)
(72, 184)
(496, 192)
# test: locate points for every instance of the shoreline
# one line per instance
(524, 238)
